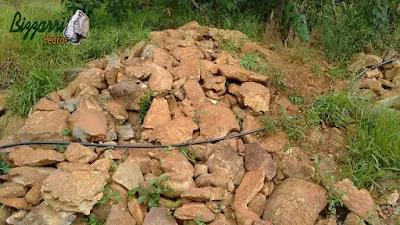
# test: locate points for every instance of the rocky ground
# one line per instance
(198, 92)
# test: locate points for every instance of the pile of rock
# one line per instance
(198, 89)
(379, 83)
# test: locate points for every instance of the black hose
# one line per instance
(375, 66)
(134, 146)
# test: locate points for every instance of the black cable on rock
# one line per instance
(133, 145)
(375, 66)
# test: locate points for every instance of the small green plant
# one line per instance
(296, 99)
(250, 61)
(199, 220)
(109, 195)
(92, 220)
(150, 196)
(4, 167)
(292, 125)
(113, 165)
(61, 148)
(65, 132)
(145, 104)
(167, 150)
(196, 115)
(191, 155)
(316, 69)
(229, 46)
(335, 199)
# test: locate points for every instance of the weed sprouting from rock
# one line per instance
(150, 195)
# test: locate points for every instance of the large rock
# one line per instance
(191, 211)
(217, 121)
(176, 162)
(88, 122)
(79, 153)
(240, 74)
(188, 68)
(256, 96)
(138, 211)
(116, 110)
(160, 79)
(295, 202)
(128, 175)
(158, 113)
(251, 184)
(358, 201)
(257, 158)
(158, 216)
(219, 178)
(206, 194)
(119, 216)
(28, 176)
(44, 214)
(178, 183)
(27, 156)
(75, 191)
(229, 160)
(11, 190)
(362, 60)
(175, 131)
(194, 93)
(44, 126)
(138, 72)
(390, 74)
(128, 93)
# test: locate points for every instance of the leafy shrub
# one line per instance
(150, 195)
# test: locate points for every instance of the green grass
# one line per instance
(373, 147)
(374, 150)
(23, 95)
(4, 167)
(145, 104)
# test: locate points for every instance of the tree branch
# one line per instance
(202, 11)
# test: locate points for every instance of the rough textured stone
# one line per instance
(183, 52)
(188, 68)
(18, 203)
(27, 156)
(229, 160)
(11, 190)
(175, 131)
(138, 72)
(219, 178)
(240, 74)
(44, 126)
(44, 105)
(75, 191)
(178, 182)
(128, 94)
(116, 110)
(119, 216)
(79, 153)
(191, 211)
(353, 219)
(390, 74)
(160, 79)
(217, 121)
(33, 196)
(206, 194)
(257, 204)
(28, 176)
(128, 175)
(295, 202)
(158, 113)
(46, 215)
(256, 158)
(256, 96)
(138, 211)
(251, 184)
(158, 216)
(88, 119)
(194, 93)
(358, 201)
(125, 132)
(200, 169)
(176, 162)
